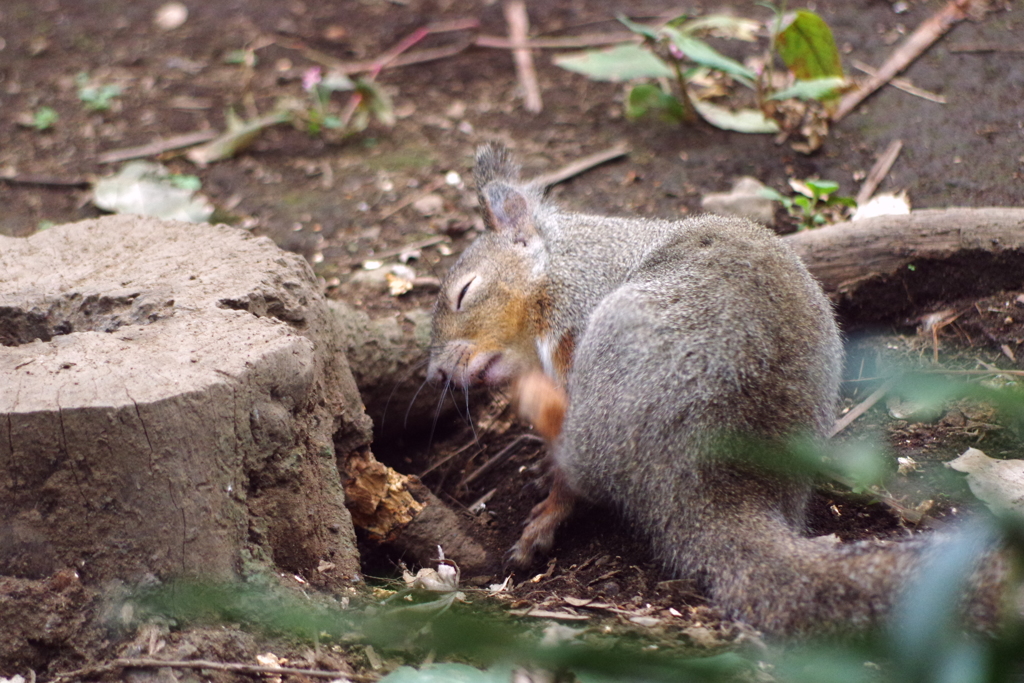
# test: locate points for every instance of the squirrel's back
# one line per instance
(679, 359)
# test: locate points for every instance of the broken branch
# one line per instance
(518, 28)
(879, 171)
(913, 47)
(585, 164)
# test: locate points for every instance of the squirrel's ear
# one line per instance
(508, 211)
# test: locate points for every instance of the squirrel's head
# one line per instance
(490, 310)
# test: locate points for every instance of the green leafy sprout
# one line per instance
(44, 118)
(95, 97)
(814, 203)
(367, 99)
(673, 56)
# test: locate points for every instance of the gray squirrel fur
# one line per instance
(665, 336)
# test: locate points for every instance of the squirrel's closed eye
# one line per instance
(464, 291)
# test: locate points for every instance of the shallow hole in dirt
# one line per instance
(77, 312)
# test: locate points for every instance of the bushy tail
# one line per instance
(785, 584)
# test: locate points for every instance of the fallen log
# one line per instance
(879, 270)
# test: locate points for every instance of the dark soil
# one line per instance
(340, 202)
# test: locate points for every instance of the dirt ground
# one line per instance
(342, 202)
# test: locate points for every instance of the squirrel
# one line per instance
(637, 347)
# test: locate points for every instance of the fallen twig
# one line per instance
(413, 197)
(907, 514)
(49, 181)
(158, 146)
(518, 29)
(564, 43)
(916, 43)
(389, 57)
(585, 164)
(212, 666)
(862, 407)
(498, 458)
(985, 47)
(412, 57)
(395, 251)
(879, 171)
(901, 84)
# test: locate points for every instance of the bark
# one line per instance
(882, 269)
(169, 397)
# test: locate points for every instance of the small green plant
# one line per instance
(95, 97)
(185, 181)
(367, 99)
(814, 203)
(320, 89)
(244, 57)
(680, 72)
(44, 118)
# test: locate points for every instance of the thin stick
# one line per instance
(158, 146)
(498, 458)
(985, 47)
(48, 181)
(863, 407)
(412, 198)
(879, 171)
(395, 251)
(901, 84)
(391, 55)
(568, 42)
(584, 164)
(909, 514)
(518, 29)
(212, 666)
(447, 458)
(913, 47)
(482, 500)
(407, 59)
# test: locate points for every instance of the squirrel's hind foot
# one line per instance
(544, 520)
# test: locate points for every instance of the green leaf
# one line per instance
(702, 53)
(376, 101)
(822, 187)
(620, 63)
(647, 98)
(640, 29)
(807, 47)
(44, 118)
(775, 196)
(845, 201)
(814, 89)
(742, 120)
(185, 182)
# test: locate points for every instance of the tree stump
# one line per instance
(171, 397)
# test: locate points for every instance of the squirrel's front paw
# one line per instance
(542, 403)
